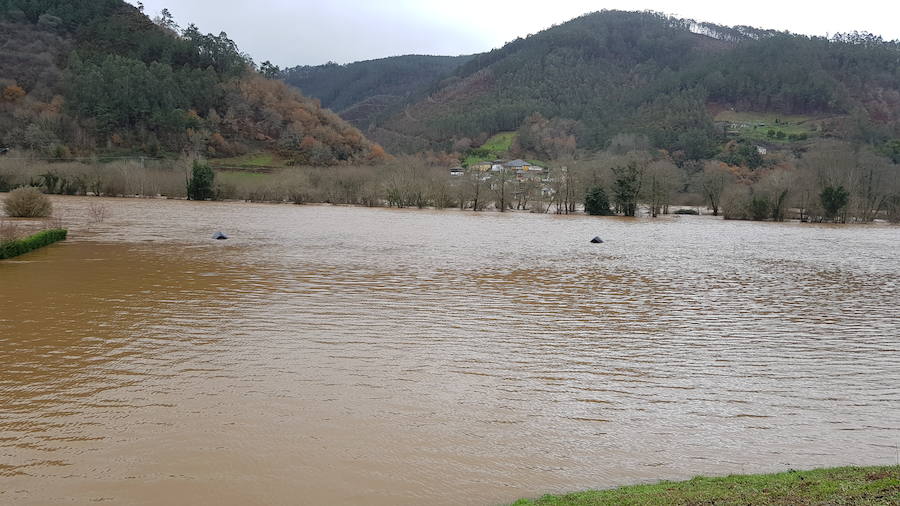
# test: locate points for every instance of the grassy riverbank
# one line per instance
(43, 238)
(845, 485)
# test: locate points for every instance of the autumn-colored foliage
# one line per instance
(291, 124)
(13, 93)
(377, 154)
(108, 78)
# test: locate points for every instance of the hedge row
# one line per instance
(39, 240)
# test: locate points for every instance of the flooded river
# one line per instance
(329, 355)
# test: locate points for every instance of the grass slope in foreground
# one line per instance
(845, 485)
(39, 240)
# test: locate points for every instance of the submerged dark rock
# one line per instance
(219, 236)
(597, 240)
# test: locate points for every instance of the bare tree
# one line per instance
(500, 183)
(475, 181)
(661, 179)
(777, 187)
(713, 181)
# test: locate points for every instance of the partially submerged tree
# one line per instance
(627, 188)
(200, 185)
(661, 179)
(834, 199)
(777, 186)
(500, 181)
(596, 202)
(713, 181)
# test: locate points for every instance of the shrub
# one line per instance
(736, 203)
(687, 211)
(200, 186)
(27, 202)
(31, 243)
(759, 207)
(97, 212)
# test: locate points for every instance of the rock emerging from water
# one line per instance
(597, 240)
(219, 236)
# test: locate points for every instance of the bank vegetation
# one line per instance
(12, 245)
(835, 182)
(847, 485)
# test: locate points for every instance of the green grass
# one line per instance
(496, 147)
(239, 176)
(500, 143)
(760, 117)
(249, 161)
(788, 124)
(762, 133)
(839, 486)
(18, 247)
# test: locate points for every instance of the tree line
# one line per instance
(837, 182)
(647, 73)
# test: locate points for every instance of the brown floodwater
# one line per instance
(334, 355)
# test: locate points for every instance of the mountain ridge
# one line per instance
(616, 72)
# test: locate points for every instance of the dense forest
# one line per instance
(618, 72)
(87, 77)
(363, 91)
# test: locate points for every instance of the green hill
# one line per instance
(363, 91)
(617, 72)
(85, 77)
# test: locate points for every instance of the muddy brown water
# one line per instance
(329, 355)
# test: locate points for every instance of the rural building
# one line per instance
(523, 170)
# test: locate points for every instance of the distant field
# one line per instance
(760, 117)
(494, 148)
(758, 125)
(240, 176)
(500, 143)
(250, 161)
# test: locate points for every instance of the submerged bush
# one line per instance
(9, 231)
(31, 243)
(27, 202)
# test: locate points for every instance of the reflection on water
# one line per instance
(342, 355)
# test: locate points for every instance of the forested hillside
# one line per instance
(361, 92)
(613, 72)
(85, 77)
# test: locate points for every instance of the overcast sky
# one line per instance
(307, 32)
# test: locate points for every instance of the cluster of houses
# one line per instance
(523, 170)
(526, 174)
